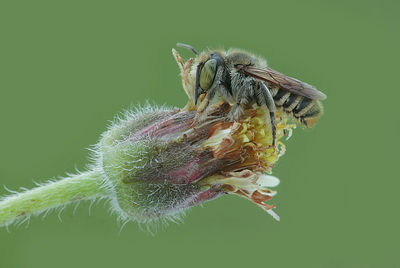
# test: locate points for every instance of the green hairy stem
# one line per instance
(88, 185)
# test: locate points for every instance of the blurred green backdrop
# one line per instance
(67, 67)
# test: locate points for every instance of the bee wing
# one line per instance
(285, 82)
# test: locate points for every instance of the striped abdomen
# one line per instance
(306, 110)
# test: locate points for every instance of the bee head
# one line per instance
(205, 72)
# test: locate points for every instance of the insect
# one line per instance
(243, 79)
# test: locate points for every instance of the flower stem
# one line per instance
(88, 185)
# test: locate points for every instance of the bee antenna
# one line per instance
(188, 47)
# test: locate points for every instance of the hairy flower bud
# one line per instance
(159, 163)
(162, 161)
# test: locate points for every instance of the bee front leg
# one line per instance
(269, 101)
(202, 107)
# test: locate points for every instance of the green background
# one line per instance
(67, 67)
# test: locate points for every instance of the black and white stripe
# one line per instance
(302, 108)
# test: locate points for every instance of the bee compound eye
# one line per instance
(207, 74)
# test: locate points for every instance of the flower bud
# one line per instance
(161, 161)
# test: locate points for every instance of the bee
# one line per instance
(243, 79)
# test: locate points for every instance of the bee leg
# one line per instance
(236, 112)
(202, 107)
(273, 126)
(269, 101)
